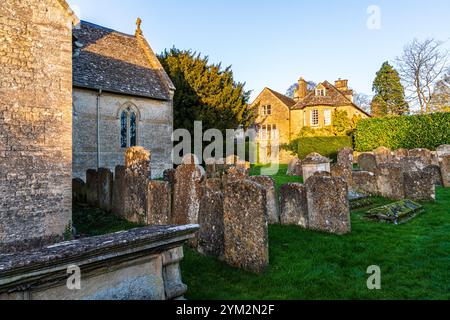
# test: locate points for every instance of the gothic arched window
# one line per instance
(128, 128)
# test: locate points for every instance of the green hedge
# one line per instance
(409, 132)
(326, 146)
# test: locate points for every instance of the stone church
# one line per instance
(122, 97)
(281, 119)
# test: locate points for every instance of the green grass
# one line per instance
(414, 259)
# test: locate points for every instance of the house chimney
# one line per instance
(341, 85)
(302, 90)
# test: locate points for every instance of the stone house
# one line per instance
(122, 97)
(281, 119)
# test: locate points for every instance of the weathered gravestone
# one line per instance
(390, 181)
(234, 173)
(137, 177)
(396, 213)
(359, 200)
(293, 205)
(425, 154)
(413, 163)
(159, 210)
(271, 196)
(364, 182)
(246, 226)
(79, 191)
(401, 153)
(345, 158)
(445, 170)
(441, 151)
(211, 235)
(92, 188)
(367, 162)
(119, 191)
(328, 205)
(188, 192)
(293, 167)
(420, 186)
(435, 171)
(342, 171)
(105, 189)
(383, 155)
(313, 163)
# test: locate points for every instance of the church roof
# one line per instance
(286, 100)
(116, 62)
(333, 97)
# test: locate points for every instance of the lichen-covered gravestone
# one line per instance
(445, 170)
(137, 177)
(211, 235)
(413, 163)
(105, 189)
(119, 191)
(442, 151)
(364, 182)
(345, 158)
(401, 153)
(367, 162)
(390, 181)
(293, 167)
(293, 205)
(246, 226)
(420, 186)
(159, 203)
(396, 213)
(328, 205)
(342, 171)
(435, 171)
(424, 154)
(383, 155)
(271, 196)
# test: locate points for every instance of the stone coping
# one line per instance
(19, 267)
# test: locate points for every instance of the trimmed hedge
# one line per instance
(326, 146)
(409, 132)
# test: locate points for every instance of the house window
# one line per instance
(314, 118)
(327, 116)
(268, 132)
(321, 92)
(266, 110)
(128, 128)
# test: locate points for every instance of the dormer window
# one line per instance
(321, 92)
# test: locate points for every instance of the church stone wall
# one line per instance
(35, 122)
(155, 127)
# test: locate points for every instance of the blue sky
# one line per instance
(273, 43)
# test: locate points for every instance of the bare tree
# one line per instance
(421, 66)
(441, 95)
(363, 101)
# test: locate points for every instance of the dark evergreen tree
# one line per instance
(205, 92)
(389, 96)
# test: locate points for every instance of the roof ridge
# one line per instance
(97, 26)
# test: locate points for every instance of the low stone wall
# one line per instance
(140, 264)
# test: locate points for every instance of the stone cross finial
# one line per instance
(138, 29)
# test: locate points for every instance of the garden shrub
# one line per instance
(409, 132)
(326, 146)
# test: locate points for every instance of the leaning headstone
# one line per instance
(137, 177)
(390, 181)
(420, 186)
(412, 164)
(92, 188)
(442, 151)
(445, 170)
(159, 203)
(119, 191)
(246, 226)
(364, 182)
(345, 158)
(105, 189)
(382, 155)
(367, 162)
(342, 171)
(293, 205)
(188, 192)
(271, 196)
(313, 163)
(435, 171)
(211, 235)
(292, 167)
(79, 191)
(328, 205)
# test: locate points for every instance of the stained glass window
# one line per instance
(124, 129)
(133, 130)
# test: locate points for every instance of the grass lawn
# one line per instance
(414, 258)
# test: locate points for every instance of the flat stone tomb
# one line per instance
(396, 213)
